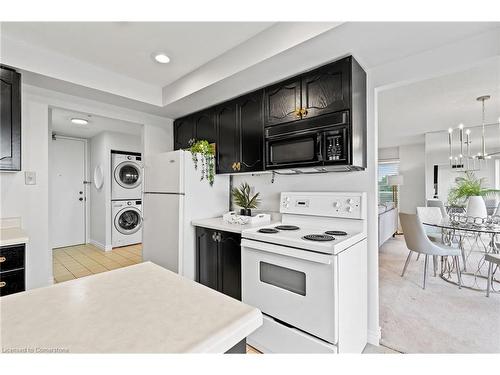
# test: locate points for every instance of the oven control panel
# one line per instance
(346, 205)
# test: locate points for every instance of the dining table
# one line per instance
(475, 237)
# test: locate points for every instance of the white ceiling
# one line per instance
(409, 111)
(62, 125)
(126, 47)
(211, 62)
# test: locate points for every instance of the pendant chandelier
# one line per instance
(464, 160)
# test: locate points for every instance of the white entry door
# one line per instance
(68, 200)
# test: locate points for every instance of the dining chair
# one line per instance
(437, 203)
(435, 234)
(492, 259)
(417, 241)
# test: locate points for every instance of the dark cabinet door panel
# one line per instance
(230, 264)
(204, 126)
(207, 257)
(11, 257)
(281, 102)
(326, 90)
(10, 120)
(183, 132)
(228, 150)
(12, 282)
(251, 132)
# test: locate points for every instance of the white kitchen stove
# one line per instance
(307, 274)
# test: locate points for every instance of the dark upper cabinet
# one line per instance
(205, 126)
(10, 120)
(218, 261)
(282, 102)
(326, 90)
(230, 264)
(251, 129)
(183, 132)
(228, 137)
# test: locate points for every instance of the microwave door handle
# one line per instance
(319, 153)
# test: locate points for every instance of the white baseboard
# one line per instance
(374, 336)
(100, 245)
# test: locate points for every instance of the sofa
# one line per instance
(387, 221)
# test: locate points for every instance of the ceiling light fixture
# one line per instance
(79, 121)
(161, 58)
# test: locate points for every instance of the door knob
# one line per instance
(80, 199)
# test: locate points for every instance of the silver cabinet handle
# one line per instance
(2, 259)
(2, 284)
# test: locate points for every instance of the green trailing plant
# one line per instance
(242, 198)
(467, 186)
(207, 152)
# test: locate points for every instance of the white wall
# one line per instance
(100, 200)
(156, 139)
(31, 203)
(412, 167)
(437, 153)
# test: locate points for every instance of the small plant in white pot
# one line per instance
(244, 200)
(469, 189)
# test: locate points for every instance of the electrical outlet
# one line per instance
(29, 178)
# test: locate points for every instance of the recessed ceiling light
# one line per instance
(161, 58)
(79, 121)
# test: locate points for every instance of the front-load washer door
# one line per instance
(128, 175)
(128, 220)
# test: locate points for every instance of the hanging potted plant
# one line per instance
(243, 199)
(204, 153)
(469, 190)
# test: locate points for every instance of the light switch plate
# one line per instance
(29, 178)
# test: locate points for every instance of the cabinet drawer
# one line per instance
(11, 258)
(11, 282)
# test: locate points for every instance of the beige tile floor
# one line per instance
(82, 260)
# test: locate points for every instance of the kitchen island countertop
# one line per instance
(142, 308)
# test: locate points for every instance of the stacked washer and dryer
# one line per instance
(126, 202)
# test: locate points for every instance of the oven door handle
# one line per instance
(319, 146)
(281, 250)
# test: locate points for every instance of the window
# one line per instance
(385, 169)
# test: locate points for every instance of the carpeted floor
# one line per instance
(439, 319)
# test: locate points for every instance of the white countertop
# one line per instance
(142, 308)
(218, 224)
(11, 232)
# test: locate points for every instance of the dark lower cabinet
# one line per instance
(10, 120)
(12, 269)
(229, 263)
(218, 261)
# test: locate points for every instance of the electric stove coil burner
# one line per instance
(336, 233)
(268, 230)
(318, 237)
(287, 227)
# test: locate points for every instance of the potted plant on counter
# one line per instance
(206, 152)
(469, 189)
(242, 199)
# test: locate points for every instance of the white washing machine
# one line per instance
(127, 222)
(126, 176)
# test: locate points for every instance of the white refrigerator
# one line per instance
(174, 195)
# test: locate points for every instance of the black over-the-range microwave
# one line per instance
(321, 144)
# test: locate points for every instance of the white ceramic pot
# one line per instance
(476, 207)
